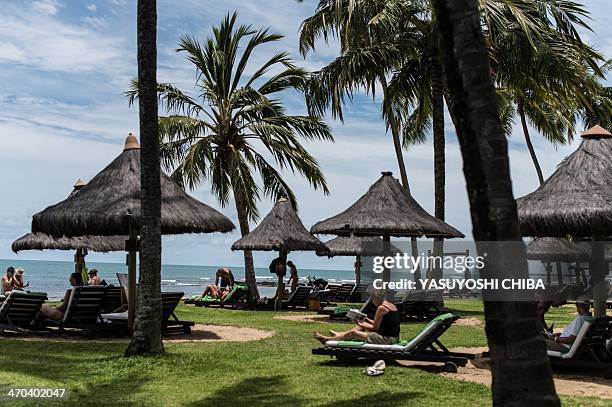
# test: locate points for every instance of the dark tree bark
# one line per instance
(437, 96)
(534, 157)
(146, 338)
(249, 268)
(521, 370)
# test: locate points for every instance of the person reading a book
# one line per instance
(384, 329)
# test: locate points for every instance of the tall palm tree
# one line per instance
(146, 337)
(521, 370)
(238, 128)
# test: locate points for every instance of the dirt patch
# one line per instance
(199, 333)
(468, 322)
(566, 384)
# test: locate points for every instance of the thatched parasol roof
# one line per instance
(355, 246)
(280, 230)
(550, 249)
(577, 198)
(42, 241)
(104, 205)
(387, 208)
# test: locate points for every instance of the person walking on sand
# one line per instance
(384, 329)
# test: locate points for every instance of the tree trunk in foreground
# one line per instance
(521, 370)
(437, 97)
(534, 157)
(249, 268)
(146, 339)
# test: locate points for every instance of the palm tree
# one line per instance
(238, 128)
(146, 337)
(521, 370)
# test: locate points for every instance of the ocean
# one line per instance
(52, 276)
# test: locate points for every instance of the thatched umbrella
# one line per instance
(386, 210)
(553, 250)
(577, 200)
(356, 246)
(109, 205)
(282, 231)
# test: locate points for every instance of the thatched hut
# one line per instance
(356, 246)
(111, 201)
(42, 241)
(282, 231)
(576, 200)
(109, 205)
(550, 250)
(386, 210)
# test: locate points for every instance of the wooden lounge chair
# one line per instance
(19, 309)
(344, 292)
(113, 299)
(328, 293)
(83, 310)
(169, 321)
(419, 304)
(589, 349)
(425, 346)
(298, 297)
(359, 293)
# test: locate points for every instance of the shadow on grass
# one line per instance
(381, 398)
(253, 391)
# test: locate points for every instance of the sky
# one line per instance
(64, 65)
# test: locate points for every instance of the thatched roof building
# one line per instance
(577, 198)
(105, 205)
(386, 209)
(280, 230)
(550, 249)
(42, 241)
(355, 246)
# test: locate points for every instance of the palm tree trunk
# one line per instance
(437, 96)
(399, 156)
(534, 158)
(146, 338)
(521, 370)
(249, 268)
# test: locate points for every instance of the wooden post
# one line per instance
(132, 246)
(578, 271)
(280, 287)
(386, 252)
(548, 269)
(559, 274)
(598, 272)
(357, 269)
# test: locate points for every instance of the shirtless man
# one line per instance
(8, 281)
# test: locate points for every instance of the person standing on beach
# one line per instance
(8, 281)
(293, 276)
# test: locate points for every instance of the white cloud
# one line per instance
(98, 23)
(92, 7)
(47, 6)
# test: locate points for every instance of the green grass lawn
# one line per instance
(276, 371)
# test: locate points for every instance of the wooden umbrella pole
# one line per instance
(598, 272)
(280, 287)
(559, 274)
(132, 247)
(358, 269)
(386, 252)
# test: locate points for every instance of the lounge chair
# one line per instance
(419, 304)
(83, 310)
(238, 296)
(113, 299)
(328, 293)
(425, 346)
(298, 297)
(19, 309)
(169, 321)
(589, 349)
(344, 292)
(359, 293)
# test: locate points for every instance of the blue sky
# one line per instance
(64, 66)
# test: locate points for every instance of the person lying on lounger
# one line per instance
(383, 330)
(224, 282)
(57, 313)
(563, 341)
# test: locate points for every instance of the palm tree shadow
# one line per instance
(381, 398)
(253, 391)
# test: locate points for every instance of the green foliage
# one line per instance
(236, 128)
